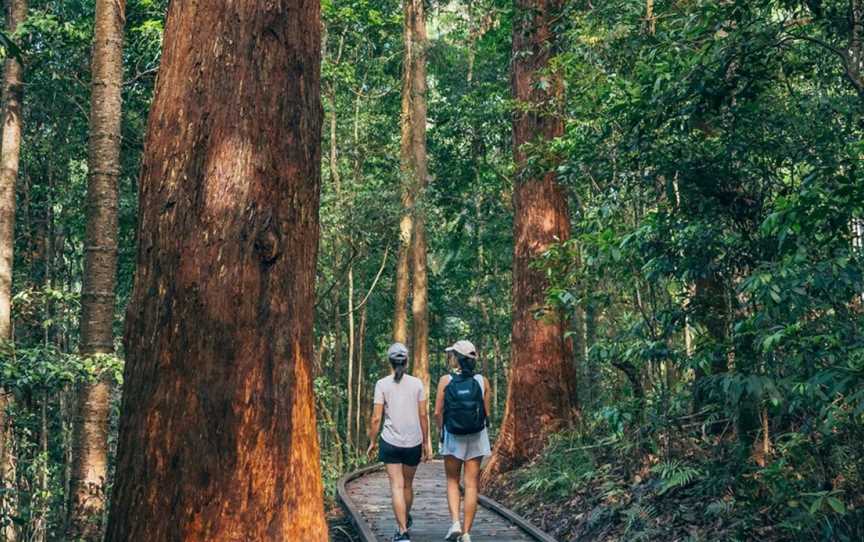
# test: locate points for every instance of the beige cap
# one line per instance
(464, 348)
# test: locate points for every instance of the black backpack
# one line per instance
(464, 410)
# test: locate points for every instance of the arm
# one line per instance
(423, 409)
(375, 426)
(487, 399)
(439, 402)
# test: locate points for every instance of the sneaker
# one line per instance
(401, 537)
(454, 533)
(465, 538)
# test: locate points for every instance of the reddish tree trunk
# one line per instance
(414, 170)
(90, 443)
(217, 437)
(541, 390)
(414, 167)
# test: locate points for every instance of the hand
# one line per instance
(427, 453)
(371, 449)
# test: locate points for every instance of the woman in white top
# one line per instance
(401, 400)
(463, 450)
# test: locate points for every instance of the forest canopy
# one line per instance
(648, 216)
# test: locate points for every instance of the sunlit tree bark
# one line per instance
(541, 394)
(217, 433)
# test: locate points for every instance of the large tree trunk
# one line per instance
(90, 443)
(10, 149)
(414, 167)
(541, 391)
(217, 437)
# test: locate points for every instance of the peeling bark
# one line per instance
(218, 437)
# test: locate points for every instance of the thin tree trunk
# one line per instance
(400, 314)
(361, 342)
(541, 391)
(40, 522)
(349, 418)
(10, 149)
(589, 336)
(710, 303)
(650, 19)
(90, 441)
(336, 181)
(337, 358)
(217, 435)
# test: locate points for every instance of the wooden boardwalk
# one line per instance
(366, 496)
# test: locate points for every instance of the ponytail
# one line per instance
(467, 365)
(399, 369)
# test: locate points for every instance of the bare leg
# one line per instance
(408, 477)
(397, 493)
(453, 468)
(472, 482)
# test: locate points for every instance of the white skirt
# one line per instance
(466, 447)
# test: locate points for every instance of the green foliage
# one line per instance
(568, 465)
(715, 274)
(675, 474)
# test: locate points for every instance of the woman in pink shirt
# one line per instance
(401, 400)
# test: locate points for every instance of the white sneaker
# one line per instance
(465, 538)
(454, 533)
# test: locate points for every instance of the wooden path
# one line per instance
(366, 496)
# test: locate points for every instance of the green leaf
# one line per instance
(837, 505)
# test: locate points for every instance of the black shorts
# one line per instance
(387, 453)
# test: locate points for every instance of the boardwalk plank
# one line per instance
(371, 495)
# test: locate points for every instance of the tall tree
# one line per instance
(413, 168)
(217, 434)
(541, 391)
(10, 151)
(90, 442)
(415, 174)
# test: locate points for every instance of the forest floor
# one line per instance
(590, 513)
(617, 510)
(691, 500)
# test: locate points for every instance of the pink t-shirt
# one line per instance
(401, 413)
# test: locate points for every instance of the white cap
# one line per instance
(463, 348)
(397, 353)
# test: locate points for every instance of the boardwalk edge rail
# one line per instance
(367, 535)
